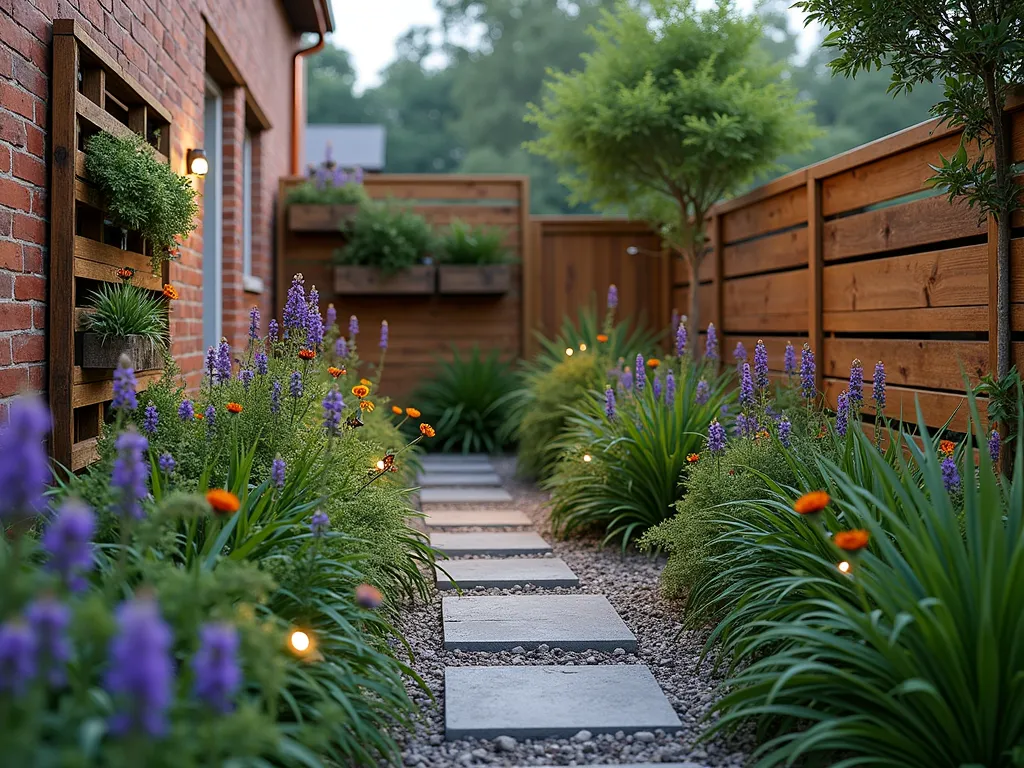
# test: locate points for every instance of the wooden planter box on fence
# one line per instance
(475, 278)
(98, 352)
(350, 281)
(313, 217)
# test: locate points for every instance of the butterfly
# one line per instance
(389, 463)
(353, 422)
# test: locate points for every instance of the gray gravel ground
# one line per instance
(630, 583)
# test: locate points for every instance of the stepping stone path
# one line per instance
(526, 702)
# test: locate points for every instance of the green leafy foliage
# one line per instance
(122, 309)
(141, 193)
(386, 236)
(463, 400)
(329, 194)
(463, 244)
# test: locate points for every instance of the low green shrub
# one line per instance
(386, 236)
(463, 244)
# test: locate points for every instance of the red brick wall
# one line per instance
(162, 44)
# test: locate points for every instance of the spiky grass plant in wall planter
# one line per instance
(126, 319)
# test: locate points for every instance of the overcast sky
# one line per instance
(368, 30)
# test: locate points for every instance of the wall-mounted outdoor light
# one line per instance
(196, 162)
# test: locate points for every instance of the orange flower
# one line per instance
(412, 413)
(198, 415)
(368, 596)
(822, 432)
(307, 354)
(653, 362)
(126, 273)
(170, 292)
(234, 407)
(601, 337)
(852, 541)
(396, 410)
(426, 430)
(360, 391)
(365, 382)
(812, 503)
(336, 372)
(222, 502)
(366, 405)
(946, 447)
(693, 458)
(762, 434)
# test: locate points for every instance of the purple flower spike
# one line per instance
(262, 363)
(994, 444)
(656, 388)
(167, 464)
(296, 307)
(789, 359)
(740, 353)
(609, 403)
(332, 315)
(140, 675)
(333, 405)
(68, 541)
(716, 438)
(254, 323)
(807, 383)
(275, 397)
(314, 323)
(626, 380)
(211, 418)
(640, 374)
(224, 363)
(856, 383)
(295, 385)
(211, 364)
(670, 388)
(277, 472)
(746, 386)
(25, 468)
(246, 376)
(681, 338)
(124, 387)
(319, 523)
(218, 675)
(49, 620)
(613, 297)
(785, 432)
(353, 327)
(186, 411)
(842, 413)
(878, 387)
(760, 366)
(711, 343)
(950, 474)
(703, 393)
(341, 348)
(742, 426)
(384, 334)
(150, 420)
(18, 649)
(131, 473)
(272, 331)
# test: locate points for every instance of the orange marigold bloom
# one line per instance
(822, 432)
(366, 405)
(336, 372)
(602, 337)
(234, 407)
(653, 362)
(412, 413)
(222, 502)
(811, 503)
(307, 354)
(693, 458)
(365, 382)
(170, 292)
(762, 434)
(360, 390)
(426, 430)
(198, 415)
(946, 447)
(396, 410)
(852, 541)
(126, 273)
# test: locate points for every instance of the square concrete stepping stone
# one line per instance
(446, 460)
(546, 572)
(434, 478)
(464, 468)
(475, 518)
(539, 702)
(464, 496)
(502, 622)
(507, 543)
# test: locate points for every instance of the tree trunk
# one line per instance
(693, 316)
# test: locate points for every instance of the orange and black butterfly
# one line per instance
(389, 463)
(353, 421)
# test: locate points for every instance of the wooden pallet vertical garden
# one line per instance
(90, 93)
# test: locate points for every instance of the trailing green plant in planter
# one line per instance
(140, 192)
(466, 245)
(386, 237)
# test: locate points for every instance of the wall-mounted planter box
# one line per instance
(313, 217)
(482, 278)
(350, 281)
(98, 352)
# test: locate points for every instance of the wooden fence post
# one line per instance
(718, 285)
(815, 337)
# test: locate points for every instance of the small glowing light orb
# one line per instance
(299, 641)
(844, 567)
(568, 351)
(587, 457)
(380, 463)
(583, 347)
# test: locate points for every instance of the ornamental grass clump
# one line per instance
(120, 310)
(467, 245)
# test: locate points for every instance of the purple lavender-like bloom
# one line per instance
(275, 397)
(215, 666)
(994, 444)
(295, 307)
(856, 383)
(746, 386)
(950, 474)
(319, 523)
(150, 419)
(333, 405)
(272, 331)
(314, 323)
(626, 380)
(703, 393)
(613, 297)
(681, 338)
(17, 656)
(384, 334)
(277, 472)
(131, 473)
(341, 347)
(807, 385)
(211, 418)
(49, 620)
(674, 322)
(760, 366)
(656, 387)
(262, 363)
(166, 463)
(224, 364)
(842, 413)
(124, 387)
(295, 385)
(878, 387)
(357, 175)
(68, 542)
(670, 388)
(140, 675)
(186, 411)
(353, 327)
(254, 323)
(211, 364)
(740, 353)
(609, 403)
(246, 376)
(716, 438)
(789, 359)
(332, 315)
(742, 426)
(640, 374)
(711, 343)
(24, 468)
(785, 432)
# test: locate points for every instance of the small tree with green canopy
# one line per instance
(675, 109)
(976, 48)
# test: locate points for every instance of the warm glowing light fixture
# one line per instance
(583, 347)
(588, 458)
(299, 641)
(844, 567)
(568, 351)
(197, 163)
